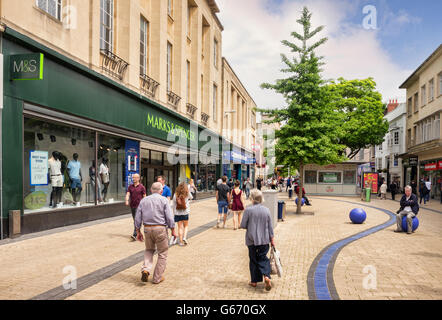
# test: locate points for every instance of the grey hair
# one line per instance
(409, 188)
(256, 196)
(156, 187)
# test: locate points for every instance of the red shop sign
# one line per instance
(440, 165)
(431, 166)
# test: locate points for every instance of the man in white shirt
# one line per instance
(428, 191)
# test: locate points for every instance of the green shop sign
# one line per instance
(27, 66)
(167, 126)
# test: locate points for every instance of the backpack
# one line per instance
(181, 203)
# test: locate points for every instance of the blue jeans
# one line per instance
(223, 205)
(259, 263)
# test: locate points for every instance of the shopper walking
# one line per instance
(428, 190)
(422, 189)
(383, 190)
(393, 189)
(167, 193)
(237, 205)
(259, 183)
(248, 186)
(192, 189)
(154, 214)
(181, 210)
(135, 193)
(258, 223)
(222, 199)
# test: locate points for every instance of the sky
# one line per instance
(383, 39)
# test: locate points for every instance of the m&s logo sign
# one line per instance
(27, 66)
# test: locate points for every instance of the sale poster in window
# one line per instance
(38, 168)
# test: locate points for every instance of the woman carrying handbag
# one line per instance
(258, 223)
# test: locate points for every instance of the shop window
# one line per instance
(211, 177)
(53, 179)
(156, 158)
(350, 177)
(111, 168)
(201, 184)
(330, 177)
(310, 177)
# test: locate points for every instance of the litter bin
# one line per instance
(367, 194)
(281, 207)
(290, 193)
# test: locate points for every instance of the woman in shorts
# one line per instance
(181, 209)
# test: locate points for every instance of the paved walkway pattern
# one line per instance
(382, 265)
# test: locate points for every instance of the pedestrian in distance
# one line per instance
(248, 186)
(393, 189)
(135, 193)
(222, 199)
(237, 205)
(192, 189)
(427, 190)
(307, 202)
(167, 193)
(414, 187)
(258, 223)
(409, 208)
(422, 189)
(259, 183)
(181, 209)
(383, 190)
(155, 216)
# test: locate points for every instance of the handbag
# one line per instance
(230, 206)
(277, 260)
(273, 269)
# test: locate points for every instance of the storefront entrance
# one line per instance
(153, 165)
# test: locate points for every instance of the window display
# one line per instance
(330, 177)
(70, 151)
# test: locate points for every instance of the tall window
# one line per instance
(410, 106)
(423, 95)
(169, 66)
(396, 138)
(188, 81)
(107, 24)
(431, 90)
(170, 7)
(409, 136)
(416, 102)
(215, 97)
(215, 53)
(440, 83)
(144, 31)
(53, 7)
(437, 126)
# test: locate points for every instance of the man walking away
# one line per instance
(222, 198)
(393, 189)
(422, 188)
(155, 215)
(409, 208)
(259, 183)
(248, 186)
(135, 193)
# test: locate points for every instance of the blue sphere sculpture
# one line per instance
(302, 202)
(405, 224)
(358, 216)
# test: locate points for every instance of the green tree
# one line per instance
(361, 113)
(309, 133)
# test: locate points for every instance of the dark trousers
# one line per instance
(134, 211)
(393, 194)
(259, 263)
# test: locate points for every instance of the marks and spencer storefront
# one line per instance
(72, 141)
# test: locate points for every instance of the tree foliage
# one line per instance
(360, 112)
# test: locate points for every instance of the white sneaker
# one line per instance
(176, 241)
(171, 240)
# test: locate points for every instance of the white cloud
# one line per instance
(252, 44)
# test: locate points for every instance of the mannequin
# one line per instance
(104, 174)
(92, 173)
(74, 171)
(56, 178)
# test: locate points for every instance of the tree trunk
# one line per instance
(301, 184)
